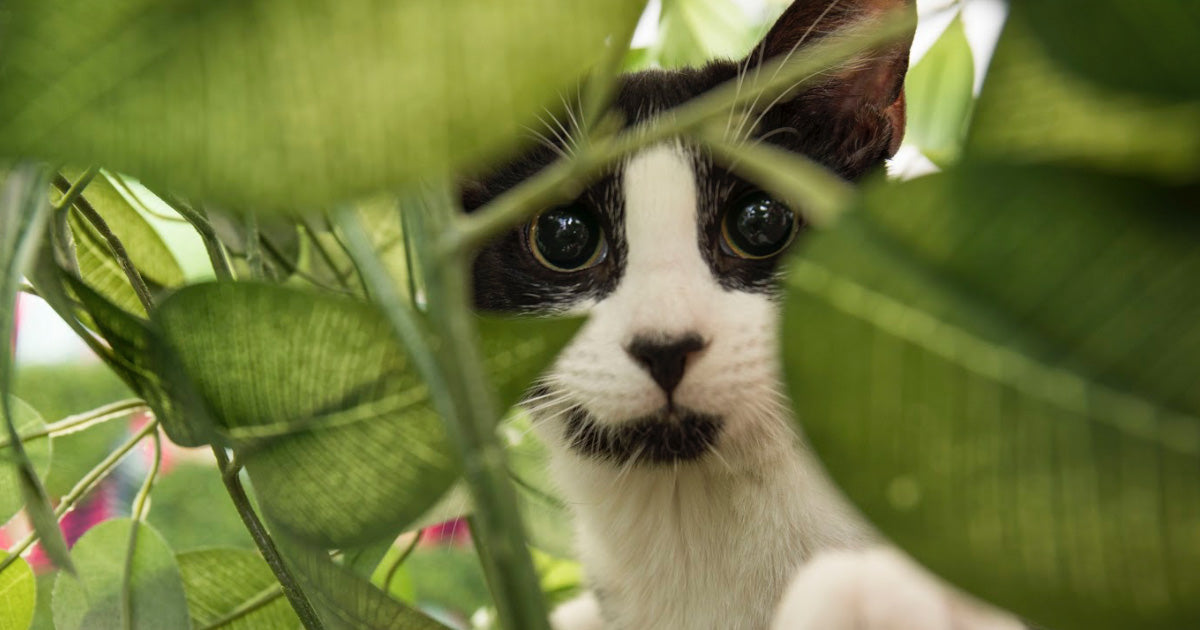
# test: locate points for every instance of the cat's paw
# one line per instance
(581, 613)
(879, 589)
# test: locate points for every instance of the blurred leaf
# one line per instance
(694, 32)
(347, 602)
(1033, 110)
(43, 616)
(1014, 349)
(145, 247)
(335, 427)
(39, 450)
(518, 349)
(561, 579)
(279, 243)
(1150, 46)
(219, 582)
(192, 509)
(18, 596)
(24, 209)
(940, 92)
(399, 585)
(263, 105)
(93, 601)
(547, 523)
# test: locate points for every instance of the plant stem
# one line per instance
(73, 191)
(266, 545)
(137, 513)
(500, 534)
(261, 600)
(84, 486)
(72, 424)
(394, 567)
(212, 244)
(562, 180)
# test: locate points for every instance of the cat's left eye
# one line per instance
(757, 226)
(567, 238)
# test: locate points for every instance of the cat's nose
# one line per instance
(665, 358)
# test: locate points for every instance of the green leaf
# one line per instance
(1034, 110)
(263, 105)
(1149, 46)
(221, 583)
(18, 596)
(334, 426)
(940, 92)
(346, 601)
(39, 451)
(693, 32)
(145, 247)
(23, 213)
(518, 349)
(1014, 351)
(543, 510)
(93, 601)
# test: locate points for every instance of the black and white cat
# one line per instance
(696, 504)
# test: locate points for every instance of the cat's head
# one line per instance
(675, 259)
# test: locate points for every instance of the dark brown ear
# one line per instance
(863, 103)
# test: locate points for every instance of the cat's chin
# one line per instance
(670, 435)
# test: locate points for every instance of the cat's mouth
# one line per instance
(670, 435)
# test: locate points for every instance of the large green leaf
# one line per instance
(1148, 46)
(998, 365)
(1032, 109)
(222, 582)
(18, 596)
(146, 249)
(287, 105)
(333, 423)
(543, 510)
(693, 32)
(26, 420)
(95, 601)
(940, 92)
(23, 213)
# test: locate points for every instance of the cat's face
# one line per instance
(674, 259)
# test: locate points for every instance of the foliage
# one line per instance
(1009, 344)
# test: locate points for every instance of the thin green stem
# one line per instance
(254, 256)
(563, 180)
(323, 252)
(137, 513)
(264, 598)
(394, 567)
(266, 545)
(212, 243)
(73, 191)
(85, 486)
(79, 422)
(115, 247)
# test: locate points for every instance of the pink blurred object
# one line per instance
(77, 522)
(454, 533)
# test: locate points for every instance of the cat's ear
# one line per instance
(864, 101)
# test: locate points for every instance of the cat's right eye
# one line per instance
(567, 238)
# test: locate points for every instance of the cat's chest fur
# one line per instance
(701, 546)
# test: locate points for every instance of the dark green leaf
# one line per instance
(288, 106)
(192, 509)
(223, 582)
(333, 424)
(1034, 110)
(940, 91)
(18, 596)
(93, 601)
(39, 450)
(23, 213)
(145, 247)
(1014, 351)
(346, 601)
(518, 349)
(1150, 46)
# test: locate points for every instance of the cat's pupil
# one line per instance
(758, 226)
(566, 238)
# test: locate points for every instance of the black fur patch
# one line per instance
(679, 436)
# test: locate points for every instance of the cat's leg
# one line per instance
(879, 589)
(581, 613)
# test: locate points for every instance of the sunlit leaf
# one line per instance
(24, 210)
(940, 91)
(1014, 351)
(287, 106)
(693, 32)
(18, 596)
(222, 582)
(1033, 110)
(93, 601)
(146, 249)
(1149, 46)
(39, 450)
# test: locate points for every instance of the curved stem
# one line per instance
(258, 602)
(79, 422)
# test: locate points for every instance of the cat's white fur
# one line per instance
(710, 544)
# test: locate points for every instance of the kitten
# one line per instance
(696, 503)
